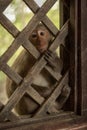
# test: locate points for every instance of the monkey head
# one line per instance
(41, 38)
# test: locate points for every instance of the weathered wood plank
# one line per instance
(47, 5)
(47, 122)
(12, 74)
(10, 51)
(4, 4)
(61, 37)
(47, 22)
(73, 54)
(8, 25)
(82, 58)
(35, 95)
(32, 5)
(56, 75)
(31, 48)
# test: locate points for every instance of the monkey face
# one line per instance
(40, 38)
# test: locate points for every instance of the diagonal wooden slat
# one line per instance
(32, 5)
(8, 26)
(62, 35)
(46, 21)
(35, 95)
(19, 92)
(13, 75)
(4, 4)
(31, 48)
(10, 51)
(47, 5)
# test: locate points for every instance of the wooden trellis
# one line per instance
(21, 39)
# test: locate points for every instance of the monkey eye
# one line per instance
(42, 33)
(34, 35)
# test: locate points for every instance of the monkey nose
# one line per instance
(39, 42)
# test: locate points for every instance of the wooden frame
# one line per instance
(78, 74)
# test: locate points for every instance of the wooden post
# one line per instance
(82, 57)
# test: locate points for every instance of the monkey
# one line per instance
(41, 38)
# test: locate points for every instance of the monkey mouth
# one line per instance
(41, 50)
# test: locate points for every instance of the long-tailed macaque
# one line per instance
(44, 82)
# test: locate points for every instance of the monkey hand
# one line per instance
(53, 61)
(50, 57)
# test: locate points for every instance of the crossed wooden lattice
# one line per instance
(21, 38)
